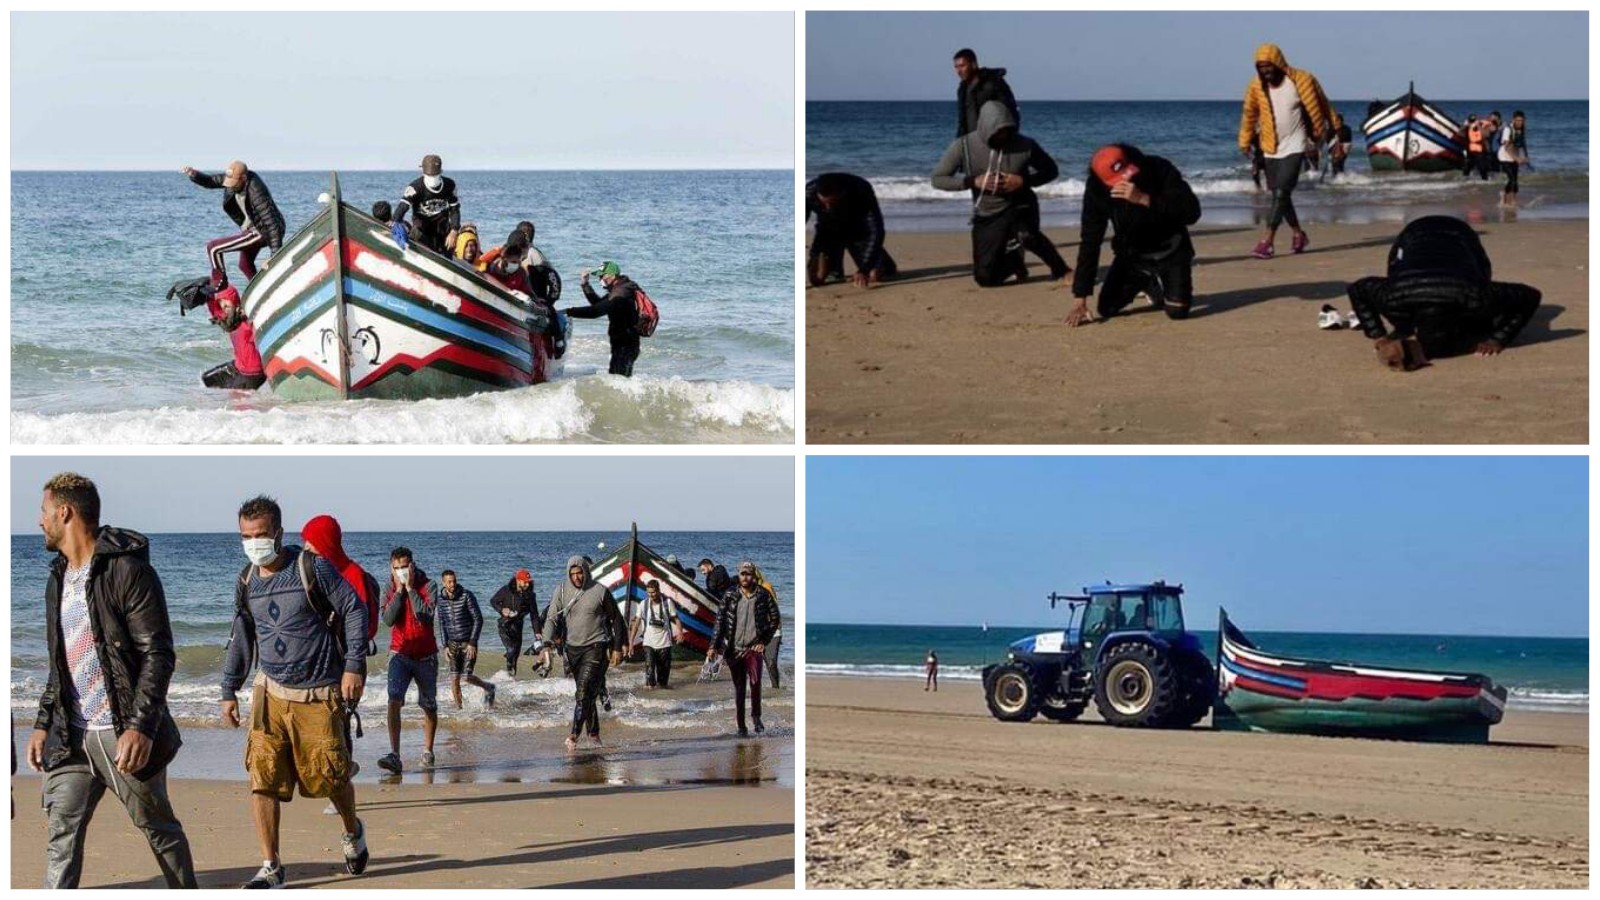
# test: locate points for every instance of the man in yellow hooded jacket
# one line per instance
(1287, 111)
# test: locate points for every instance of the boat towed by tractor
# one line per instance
(1128, 652)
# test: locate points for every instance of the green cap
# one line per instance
(607, 268)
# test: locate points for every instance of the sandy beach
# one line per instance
(911, 789)
(931, 358)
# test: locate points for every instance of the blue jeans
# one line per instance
(403, 670)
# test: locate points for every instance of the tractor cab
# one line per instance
(1116, 609)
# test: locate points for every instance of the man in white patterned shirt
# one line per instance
(103, 721)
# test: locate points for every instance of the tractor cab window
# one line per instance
(1136, 610)
(1101, 617)
(1166, 614)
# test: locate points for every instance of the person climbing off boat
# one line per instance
(249, 204)
(620, 307)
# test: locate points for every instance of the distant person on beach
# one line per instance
(1513, 154)
(585, 622)
(1001, 167)
(461, 622)
(409, 609)
(656, 625)
(620, 308)
(1475, 143)
(717, 580)
(323, 537)
(1288, 112)
(516, 602)
(1339, 145)
(1150, 208)
(103, 722)
(848, 220)
(249, 204)
(745, 625)
(930, 669)
(305, 630)
(435, 208)
(977, 87)
(1439, 298)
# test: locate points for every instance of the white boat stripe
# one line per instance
(276, 269)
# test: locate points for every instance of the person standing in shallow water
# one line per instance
(1286, 110)
(745, 625)
(620, 308)
(585, 620)
(931, 669)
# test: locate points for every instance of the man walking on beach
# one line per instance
(620, 308)
(1439, 298)
(1513, 154)
(1288, 112)
(656, 625)
(515, 602)
(979, 86)
(1151, 207)
(461, 620)
(585, 621)
(1001, 167)
(304, 628)
(323, 537)
(103, 721)
(249, 204)
(409, 610)
(848, 220)
(435, 209)
(745, 625)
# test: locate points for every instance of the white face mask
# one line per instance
(261, 551)
(402, 576)
(433, 182)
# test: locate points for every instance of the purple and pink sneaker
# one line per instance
(1263, 250)
(1301, 242)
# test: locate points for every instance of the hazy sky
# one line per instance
(1199, 56)
(1440, 545)
(428, 493)
(378, 90)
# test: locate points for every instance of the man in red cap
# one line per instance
(516, 602)
(1150, 207)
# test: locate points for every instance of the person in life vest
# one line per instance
(1473, 135)
(435, 209)
(249, 204)
(1286, 109)
(323, 536)
(1439, 298)
(506, 267)
(620, 307)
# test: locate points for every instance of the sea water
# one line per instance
(1538, 672)
(99, 355)
(895, 145)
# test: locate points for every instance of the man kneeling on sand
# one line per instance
(1150, 207)
(1001, 167)
(1439, 298)
(848, 219)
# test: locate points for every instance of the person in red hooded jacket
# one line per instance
(323, 536)
(408, 609)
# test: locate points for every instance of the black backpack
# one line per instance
(320, 603)
(191, 294)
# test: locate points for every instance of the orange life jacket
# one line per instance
(1475, 137)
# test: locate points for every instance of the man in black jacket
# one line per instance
(515, 602)
(249, 204)
(1151, 207)
(979, 86)
(848, 219)
(1440, 298)
(717, 580)
(435, 209)
(620, 307)
(745, 625)
(103, 721)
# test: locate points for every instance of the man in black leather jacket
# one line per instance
(249, 204)
(103, 721)
(746, 622)
(977, 87)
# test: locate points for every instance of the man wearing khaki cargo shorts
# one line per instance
(309, 670)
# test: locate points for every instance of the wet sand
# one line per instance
(910, 789)
(931, 358)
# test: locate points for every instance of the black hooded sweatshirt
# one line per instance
(970, 98)
(618, 306)
(855, 214)
(1156, 232)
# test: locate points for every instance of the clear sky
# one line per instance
(1200, 56)
(428, 493)
(1441, 545)
(497, 90)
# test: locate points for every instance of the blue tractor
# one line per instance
(1128, 652)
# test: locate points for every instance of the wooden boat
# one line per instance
(625, 572)
(1261, 691)
(342, 312)
(1413, 135)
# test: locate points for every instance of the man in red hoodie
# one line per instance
(323, 536)
(408, 610)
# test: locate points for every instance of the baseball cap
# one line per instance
(522, 575)
(1112, 165)
(608, 268)
(432, 164)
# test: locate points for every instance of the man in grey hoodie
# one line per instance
(585, 621)
(1001, 167)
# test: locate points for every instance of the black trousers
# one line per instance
(511, 638)
(832, 245)
(1282, 177)
(658, 666)
(1169, 282)
(1510, 168)
(431, 233)
(1444, 328)
(998, 242)
(623, 357)
(588, 666)
(745, 669)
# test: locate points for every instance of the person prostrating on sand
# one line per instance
(620, 308)
(848, 220)
(461, 620)
(1151, 207)
(409, 609)
(435, 209)
(585, 622)
(1001, 167)
(1439, 298)
(103, 720)
(745, 625)
(977, 87)
(515, 603)
(1287, 111)
(249, 204)
(304, 628)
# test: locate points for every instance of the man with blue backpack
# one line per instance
(629, 311)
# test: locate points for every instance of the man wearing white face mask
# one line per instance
(409, 608)
(436, 211)
(306, 629)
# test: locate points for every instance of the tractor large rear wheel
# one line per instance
(1011, 694)
(1138, 686)
(1199, 691)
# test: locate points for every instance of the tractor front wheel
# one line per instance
(1138, 686)
(1010, 693)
